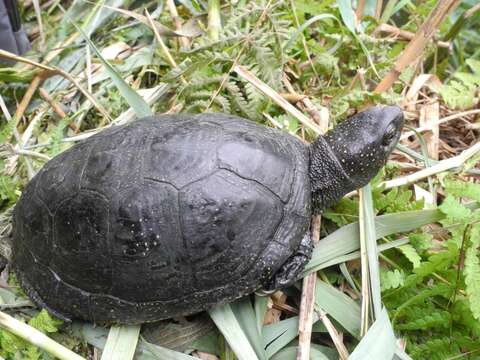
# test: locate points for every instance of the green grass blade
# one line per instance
(121, 343)
(372, 250)
(229, 326)
(356, 254)
(137, 103)
(391, 10)
(245, 315)
(280, 334)
(346, 239)
(305, 25)
(378, 343)
(370, 8)
(339, 306)
(347, 14)
(100, 15)
(276, 336)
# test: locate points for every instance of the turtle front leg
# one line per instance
(293, 267)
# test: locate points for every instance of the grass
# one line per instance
(397, 270)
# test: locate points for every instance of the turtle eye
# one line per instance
(389, 135)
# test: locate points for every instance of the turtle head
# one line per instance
(363, 142)
(359, 146)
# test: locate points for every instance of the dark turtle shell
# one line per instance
(166, 216)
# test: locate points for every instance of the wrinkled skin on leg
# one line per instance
(293, 267)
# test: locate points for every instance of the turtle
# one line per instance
(171, 215)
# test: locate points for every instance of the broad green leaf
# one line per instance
(245, 315)
(227, 323)
(346, 239)
(338, 306)
(277, 335)
(280, 334)
(356, 254)
(209, 343)
(378, 343)
(121, 342)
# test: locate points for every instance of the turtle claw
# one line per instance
(292, 268)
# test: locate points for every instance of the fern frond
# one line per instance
(391, 279)
(441, 260)
(472, 271)
(411, 254)
(197, 106)
(269, 68)
(6, 131)
(7, 189)
(436, 349)
(199, 82)
(463, 189)
(441, 289)
(240, 102)
(436, 320)
(185, 68)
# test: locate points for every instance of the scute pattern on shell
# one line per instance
(161, 218)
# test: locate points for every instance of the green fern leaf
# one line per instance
(6, 131)
(439, 261)
(391, 279)
(462, 315)
(454, 210)
(421, 241)
(458, 95)
(411, 254)
(463, 189)
(438, 319)
(239, 101)
(472, 271)
(8, 189)
(436, 349)
(184, 68)
(45, 323)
